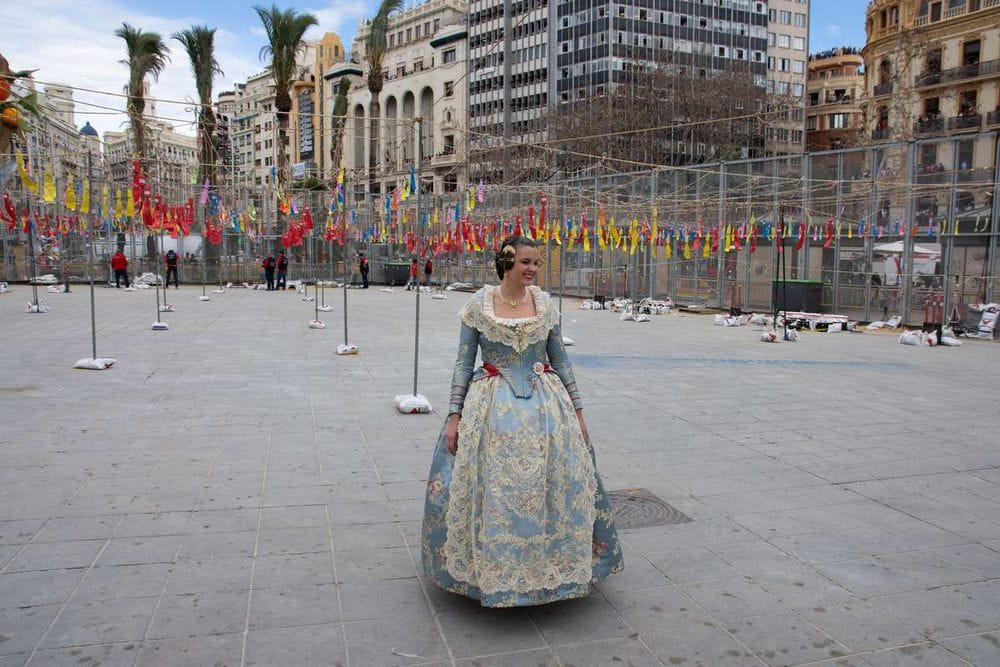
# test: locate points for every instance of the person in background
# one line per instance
(171, 259)
(282, 270)
(363, 268)
(428, 270)
(413, 284)
(119, 264)
(268, 265)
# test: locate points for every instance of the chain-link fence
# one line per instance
(880, 229)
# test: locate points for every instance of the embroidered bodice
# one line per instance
(519, 349)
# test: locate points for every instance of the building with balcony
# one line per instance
(933, 69)
(834, 117)
(423, 76)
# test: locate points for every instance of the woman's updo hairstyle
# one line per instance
(508, 248)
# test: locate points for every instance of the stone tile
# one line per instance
(700, 644)
(20, 531)
(895, 574)
(220, 650)
(691, 565)
(981, 649)
(933, 615)
(22, 627)
(293, 517)
(388, 641)
(101, 622)
(223, 521)
(222, 574)
(488, 631)
(135, 550)
(24, 589)
(276, 541)
(608, 652)
(168, 523)
(574, 621)
(372, 564)
(639, 575)
(734, 599)
(208, 546)
(786, 639)
(657, 609)
(979, 597)
(55, 555)
(122, 654)
(123, 581)
(927, 653)
(77, 528)
(860, 626)
(532, 658)
(310, 645)
(293, 570)
(347, 514)
(976, 558)
(288, 607)
(199, 614)
(387, 598)
(368, 536)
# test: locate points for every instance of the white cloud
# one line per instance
(86, 54)
(833, 30)
(341, 17)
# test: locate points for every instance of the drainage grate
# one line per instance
(638, 508)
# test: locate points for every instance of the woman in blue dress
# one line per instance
(516, 513)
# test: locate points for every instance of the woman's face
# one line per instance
(526, 264)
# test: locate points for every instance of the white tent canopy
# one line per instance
(897, 247)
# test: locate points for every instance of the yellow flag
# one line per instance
(118, 205)
(557, 233)
(850, 230)
(129, 203)
(340, 177)
(633, 235)
(105, 201)
(654, 233)
(48, 187)
(70, 196)
(586, 240)
(85, 197)
(706, 246)
(668, 250)
(954, 227)
(30, 184)
(571, 237)
(687, 246)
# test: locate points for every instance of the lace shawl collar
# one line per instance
(478, 313)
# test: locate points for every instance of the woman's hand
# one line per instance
(451, 433)
(583, 424)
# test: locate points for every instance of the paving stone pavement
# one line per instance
(233, 493)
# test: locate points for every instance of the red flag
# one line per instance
(829, 234)
(802, 237)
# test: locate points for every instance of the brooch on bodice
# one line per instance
(539, 368)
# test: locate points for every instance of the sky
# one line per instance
(72, 42)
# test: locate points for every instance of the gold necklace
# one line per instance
(511, 302)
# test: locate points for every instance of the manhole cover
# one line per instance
(638, 508)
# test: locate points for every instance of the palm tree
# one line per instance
(148, 55)
(199, 42)
(285, 30)
(375, 48)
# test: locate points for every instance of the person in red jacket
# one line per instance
(428, 270)
(413, 284)
(119, 264)
(268, 265)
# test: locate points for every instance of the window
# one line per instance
(437, 24)
(798, 66)
(392, 40)
(811, 123)
(418, 65)
(784, 18)
(799, 43)
(784, 41)
(449, 88)
(771, 39)
(409, 34)
(838, 121)
(449, 56)
(797, 89)
(800, 20)
(417, 33)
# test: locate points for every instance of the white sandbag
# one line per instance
(387, 290)
(317, 324)
(836, 327)
(4, 289)
(98, 364)
(877, 324)
(410, 404)
(439, 296)
(324, 309)
(40, 308)
(791, 335)
(345, 349)
(642, 317)
(911, 338)
(308, 297)
(769, 336)
(950, 341)
(54, 289)
(160, 326)
(167, 308)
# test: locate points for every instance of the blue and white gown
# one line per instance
(519, 515)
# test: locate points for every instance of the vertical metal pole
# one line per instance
(720, 259)
(906, 280)
(993, 228)
(31, 254)
(416, 330)
(651, 252)
(748, 240)
(838, 211)
(802, 261)
(675, 221)
(948, 239)
(867, 240)
(562, 218)
(90, 273)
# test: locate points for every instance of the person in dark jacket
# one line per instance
(119, 264)
(413, 282)
(282, 270)
(171, 260)
(363, 268)
(428, 270)
(269, 265)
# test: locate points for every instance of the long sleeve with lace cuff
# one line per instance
(468, 347)
(560, 363)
